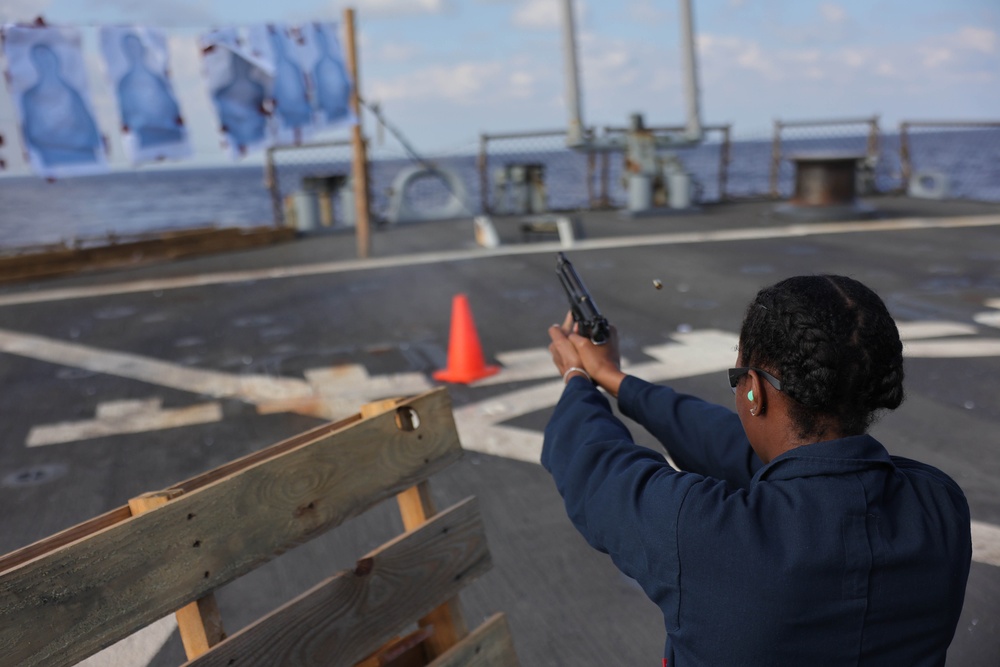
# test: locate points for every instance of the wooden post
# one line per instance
(199, 622)
(416, 509)
(271, 183)
(360, 161)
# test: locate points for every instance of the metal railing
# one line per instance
(940, 151)
(840, 135)
(724, 165)
(594, 180)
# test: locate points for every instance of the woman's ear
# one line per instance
(756, 395)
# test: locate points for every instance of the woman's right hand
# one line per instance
(602, 362)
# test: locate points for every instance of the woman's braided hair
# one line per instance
(834, 346)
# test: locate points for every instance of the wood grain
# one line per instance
(345, 618)
(119, 514)
(489, 645)
(417, 507)
(68, 604)
(199, 622)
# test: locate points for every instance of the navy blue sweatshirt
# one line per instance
(834, 553)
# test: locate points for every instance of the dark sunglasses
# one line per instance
(736, 373)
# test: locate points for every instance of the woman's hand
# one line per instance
(601, 362)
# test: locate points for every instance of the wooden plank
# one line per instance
(416, 508)
(119, 514)
(62, 538)
(345, 618)
(112, 252)
(62, 607)
(268, 453)
(401, 651)
(199, 622)
(200, 626)
(490, 645)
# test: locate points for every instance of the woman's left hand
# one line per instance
(571, 350)
(565, 354)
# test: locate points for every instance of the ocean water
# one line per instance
(34, 212)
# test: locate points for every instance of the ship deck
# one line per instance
(77, 353)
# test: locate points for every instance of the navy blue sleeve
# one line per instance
(700, 437)
(623, 498)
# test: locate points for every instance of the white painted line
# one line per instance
(480, 425)
(249, 388)
(342, 390)
(953, 349)
(985, 543)
(989, 318)
(136, 650)
(676, 238)
(122, 417)
(933, 329)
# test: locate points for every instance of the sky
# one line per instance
(446, 70)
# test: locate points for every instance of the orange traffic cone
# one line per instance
(465, 355)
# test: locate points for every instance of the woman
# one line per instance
(790, 536)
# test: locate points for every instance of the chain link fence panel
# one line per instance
(944, 159)
(534, 172)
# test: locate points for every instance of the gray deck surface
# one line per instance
(567, 604)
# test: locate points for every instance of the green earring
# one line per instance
(750, 395)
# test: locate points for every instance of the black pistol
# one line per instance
(589, 321)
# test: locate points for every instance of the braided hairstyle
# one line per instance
(834, 346)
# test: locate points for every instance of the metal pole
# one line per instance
(360, 162)
(693, 128)
(775, 158)
(905, 167)
(484, 181)
(574, 131)
(724, 163)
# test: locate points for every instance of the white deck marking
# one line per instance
(953, 349)
(249, 388)
(989, 318)
(915, 337)
(675, 238)
(479, 424)
(985, 543)
(120, 417)
(344, 389)
(521, 365)
(933, 329)
(137, 649)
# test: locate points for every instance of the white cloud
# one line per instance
(648, 11)
(402, 7)
(854, 57)
(545, 14)
(538, 14)
(983, 40)
(177, 13)
(462, 83)
(397, 52)
(22, 11)
(832, 13)
(960, 51)
(936, 56)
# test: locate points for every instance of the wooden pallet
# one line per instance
(66, 597)
(112, 252)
